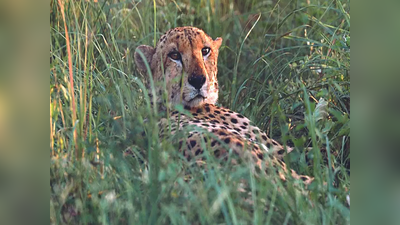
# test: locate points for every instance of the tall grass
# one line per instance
(278, 59)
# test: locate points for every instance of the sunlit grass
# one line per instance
(276, 62)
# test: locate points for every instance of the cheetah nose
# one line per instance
(197, 81)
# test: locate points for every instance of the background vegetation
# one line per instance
(277, 61)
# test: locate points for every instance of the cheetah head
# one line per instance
(185, 58)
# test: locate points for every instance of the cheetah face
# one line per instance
(186, 58)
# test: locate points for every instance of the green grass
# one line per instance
(277, 60)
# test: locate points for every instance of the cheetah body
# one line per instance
(185, 60)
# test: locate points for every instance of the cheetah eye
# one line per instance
(175, 55)
(205, 51)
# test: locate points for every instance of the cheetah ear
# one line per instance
(218, 42)
(147, 52)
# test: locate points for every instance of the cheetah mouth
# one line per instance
(198, 97)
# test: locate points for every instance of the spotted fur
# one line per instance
(185, 58)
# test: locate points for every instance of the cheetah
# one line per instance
(185, 58)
